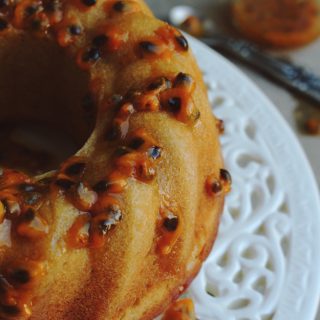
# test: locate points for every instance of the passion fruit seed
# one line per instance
(148, 47)
(75, 30)
(21, 276)
(100, 40)
(89, 3)
(171, 223)
(119, 6)
(182, 42)
(75, 169)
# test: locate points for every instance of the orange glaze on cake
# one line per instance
(180, 310)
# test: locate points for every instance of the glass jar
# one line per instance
(277, 23)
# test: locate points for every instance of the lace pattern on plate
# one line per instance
(265, 263)
(244, 274)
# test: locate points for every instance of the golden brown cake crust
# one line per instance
(122, 227)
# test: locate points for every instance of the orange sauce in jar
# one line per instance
(277, 23)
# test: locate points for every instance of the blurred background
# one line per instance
(302, 116)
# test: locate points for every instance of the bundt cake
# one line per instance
(122, 227)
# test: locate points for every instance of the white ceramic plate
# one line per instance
(266, 262)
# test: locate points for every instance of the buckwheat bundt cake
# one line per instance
(122, 227)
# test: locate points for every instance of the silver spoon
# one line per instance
(290, 75)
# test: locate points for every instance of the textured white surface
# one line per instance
(265, 262)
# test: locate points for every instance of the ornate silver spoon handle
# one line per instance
(288, 74)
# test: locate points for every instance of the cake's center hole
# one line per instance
(42, 117)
